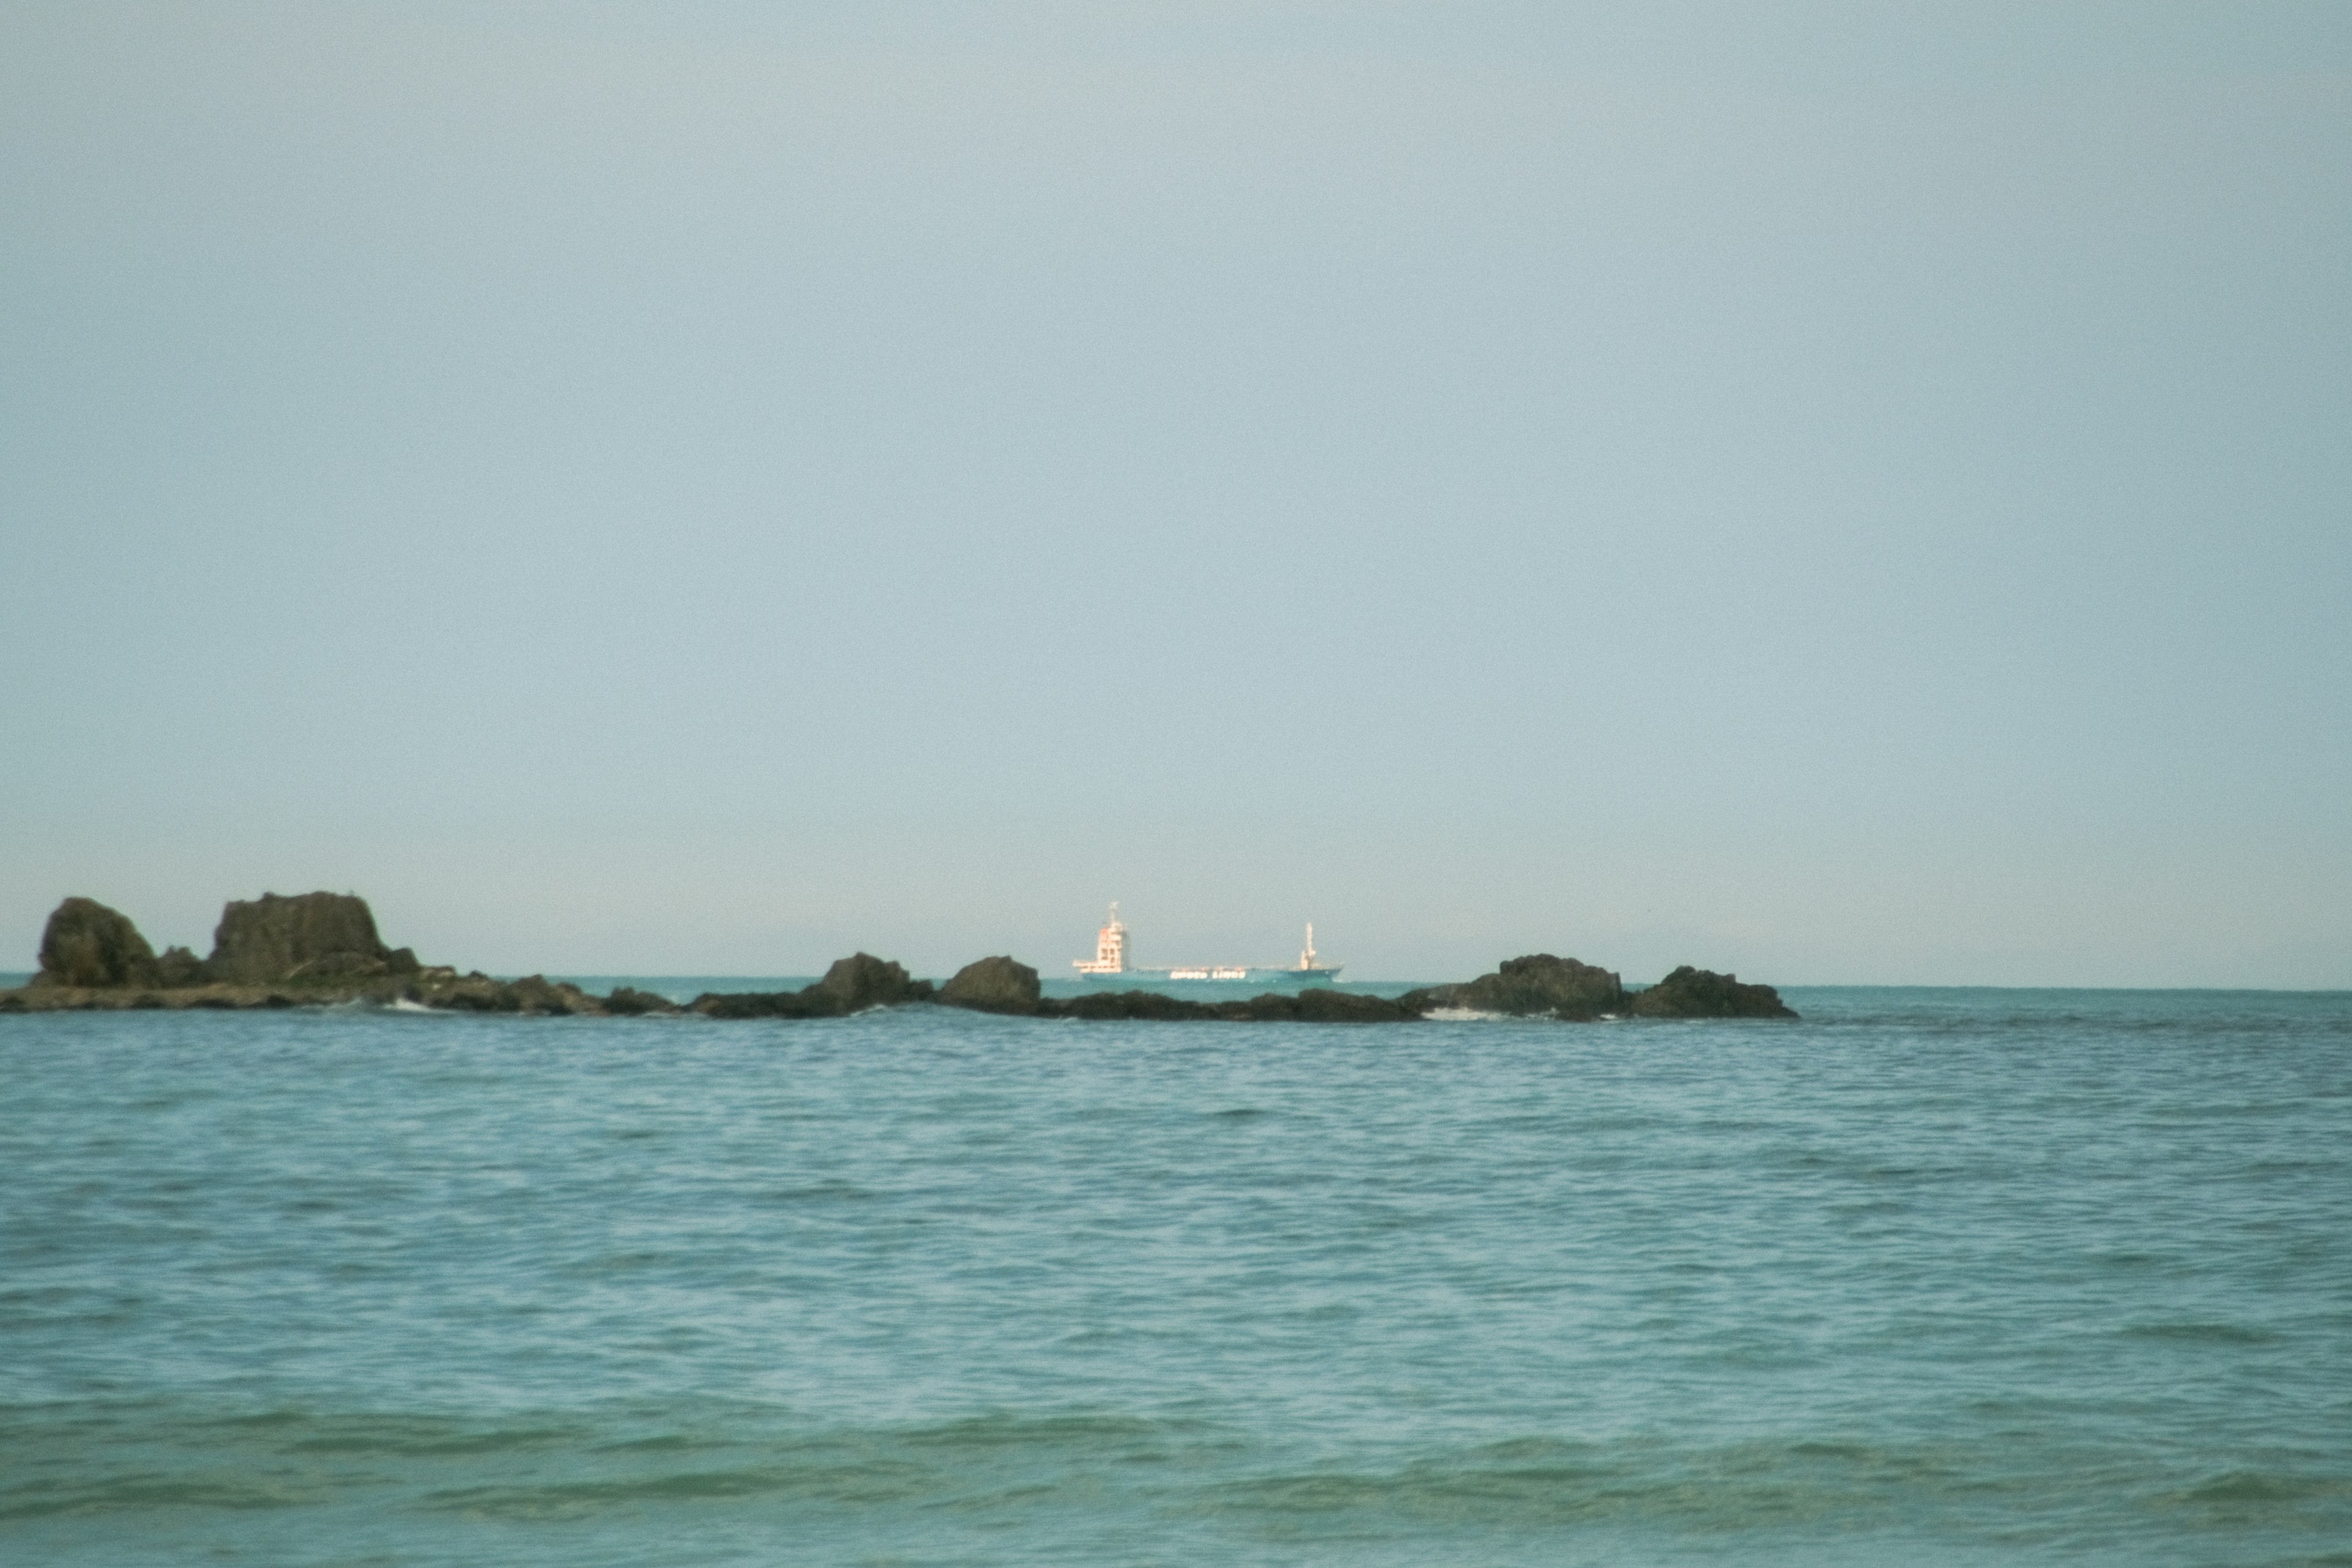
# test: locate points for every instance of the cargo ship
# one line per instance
(1110, 960)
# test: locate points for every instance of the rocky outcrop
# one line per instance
(1691, 993)
(1104, 1005)
(993, 985)
(86, 945)
(179, 968)
(314, 936)
(862, 981)
(1535, 986)
(322, 948)
(806, 1003)
(852, 986)
(628, 1001)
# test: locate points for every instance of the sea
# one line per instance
(1928, 1277)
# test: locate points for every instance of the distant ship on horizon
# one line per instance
(1111, 958)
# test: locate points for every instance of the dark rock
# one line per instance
(340, 966)
(807, 1003)
(851, 986)
(475, 993)
(1535, 986)
(862, 981)
(1106, 1005)
(993, 985)
(628, 1001)
(86, 943)
(1341, 1007)
(273, 938)
(178, 969)
(1691, 993)
(537, 993)
(402, 961)
(1316, 1006)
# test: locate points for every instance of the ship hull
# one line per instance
(1233, 976)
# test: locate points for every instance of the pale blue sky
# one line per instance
(1855, 493)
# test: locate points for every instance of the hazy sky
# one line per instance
(1842, 492)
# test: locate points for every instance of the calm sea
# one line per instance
(1932, 1277)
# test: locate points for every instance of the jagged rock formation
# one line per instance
(1691, 993)
(314, 936)
(178, 968)
(86, 943)
(1535, 986)
(993, 985)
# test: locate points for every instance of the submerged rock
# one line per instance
(993, 985)
(314, 936)
(1345, 1008)
(1535, 986)
(1105, 1005)
(86, 945)
(1317, 1006)
(1691, 993)
(806, 1003)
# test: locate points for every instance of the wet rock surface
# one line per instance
(309, 936)
(862, 981)
(1269, 1007)
(628, 1001)
(1001, 984)
(1537, 985)
(85, 944)
(1691, 993)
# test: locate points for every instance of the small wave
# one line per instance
(1462, 1015)
(2202, 1332)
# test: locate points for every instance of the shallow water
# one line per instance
(1931, 1277)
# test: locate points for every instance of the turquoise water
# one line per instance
(1931, 1277)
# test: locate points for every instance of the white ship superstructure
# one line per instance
(1307, 963)
(1111, 958)
(1110, 949)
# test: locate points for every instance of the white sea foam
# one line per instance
(1461, 1015)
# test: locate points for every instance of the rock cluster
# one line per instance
(1536, 985)
(274, 952)
(271, 952)
(852, 986)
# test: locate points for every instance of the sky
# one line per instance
(1845, 493)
